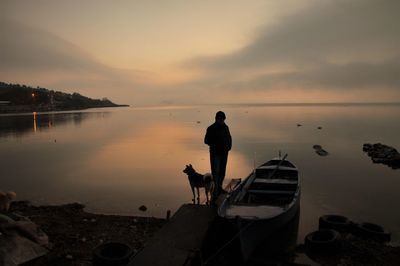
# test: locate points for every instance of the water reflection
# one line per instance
(116, 161)
(34, 122)
(22, 125)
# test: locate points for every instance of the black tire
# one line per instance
(336, 222)
(111, 254)
(371, 231)
(325, 240)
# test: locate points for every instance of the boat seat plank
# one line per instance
(247, 211)
(273, 167)
(274, 181)
(254, 191)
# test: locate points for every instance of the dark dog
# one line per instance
(197, 181)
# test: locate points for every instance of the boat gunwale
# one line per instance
(284, 208)
(222, 208)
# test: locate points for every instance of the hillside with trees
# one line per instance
(21, 98)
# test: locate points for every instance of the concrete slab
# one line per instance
(179, 240)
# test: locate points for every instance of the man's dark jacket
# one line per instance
(218, 138)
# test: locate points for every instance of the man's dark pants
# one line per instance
(218, 168)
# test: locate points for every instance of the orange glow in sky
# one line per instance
(144, 52)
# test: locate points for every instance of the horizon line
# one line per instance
(172, 104)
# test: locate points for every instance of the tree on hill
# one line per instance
(22, 95)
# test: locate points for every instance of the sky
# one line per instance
(195, 52)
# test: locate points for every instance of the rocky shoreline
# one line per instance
(15, 98)
(74, 233)
(353, 251)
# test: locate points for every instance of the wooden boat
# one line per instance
(265, 201)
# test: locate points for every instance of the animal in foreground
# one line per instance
(5, 200)
(197, 181)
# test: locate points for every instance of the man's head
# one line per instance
(220, 117)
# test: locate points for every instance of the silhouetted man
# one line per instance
(219, 139)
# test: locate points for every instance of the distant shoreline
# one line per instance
(15, 98)
(20, 109)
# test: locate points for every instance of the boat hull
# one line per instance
(253, 232)
(266, 201)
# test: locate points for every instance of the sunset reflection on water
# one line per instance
(114, 160)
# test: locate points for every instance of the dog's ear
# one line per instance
(190, 166)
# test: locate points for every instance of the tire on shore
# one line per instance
(112, 254)
(371, 231)
(323, 241)
(336, 222)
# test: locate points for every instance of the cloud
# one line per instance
(25, 47)
(36, 57)
(334, 46)
(329, 76)
(330, 45)
(334, 28)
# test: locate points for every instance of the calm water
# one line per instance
(114, 160)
